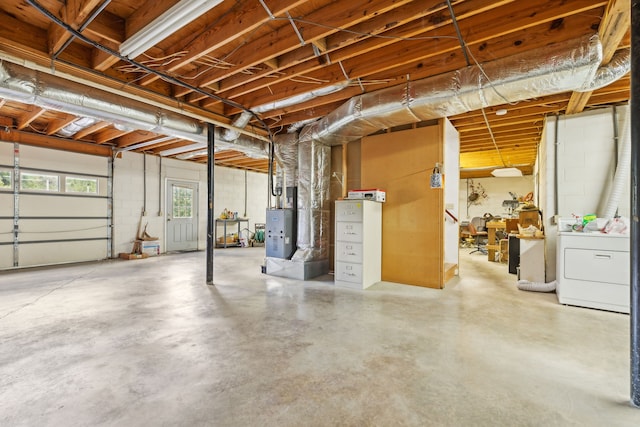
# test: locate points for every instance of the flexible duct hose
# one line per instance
(525, 285)
(622, 172)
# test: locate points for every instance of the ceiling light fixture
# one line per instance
(181, 14)
(506, 172)
(501, 112)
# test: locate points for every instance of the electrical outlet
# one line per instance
(449, 206)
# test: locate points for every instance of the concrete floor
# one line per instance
(145, 342)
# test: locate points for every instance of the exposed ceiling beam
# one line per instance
(75, 14)
(228, 29)
(91, 129)
(30, 138)
(613, 27)
(29, 116)
(57, 124)
(284, 39)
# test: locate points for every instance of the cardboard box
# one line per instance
(374, 194)
(230, 239)
(151, 247)
(127, 255)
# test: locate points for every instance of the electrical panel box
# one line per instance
(280, 233)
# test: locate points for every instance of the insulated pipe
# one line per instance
(619, 66)
(554, 69)
(38, 87)
(243, 119)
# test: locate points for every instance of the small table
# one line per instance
(224, 223)
(492, 226)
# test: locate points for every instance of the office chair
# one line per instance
(477, 235)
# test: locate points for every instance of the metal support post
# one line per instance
(211, 139)
(635, 208)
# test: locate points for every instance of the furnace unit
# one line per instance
(280, 235)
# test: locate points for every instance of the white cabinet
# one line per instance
(593, 270)
(358, 243)
(532, 260)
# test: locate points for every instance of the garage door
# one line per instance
(54, 206)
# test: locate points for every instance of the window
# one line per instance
(182, 202)
(5, 179)
(39, 182)
(80, 185)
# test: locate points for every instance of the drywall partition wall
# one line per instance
(496, 190)
(129, 195)
(586, 158)
(451, 190)
(412, 217)
(62, 206)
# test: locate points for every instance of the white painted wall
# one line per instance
(229, 193)
(451, 186)
(497, 190)
(586, 154)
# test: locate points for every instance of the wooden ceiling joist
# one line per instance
(250, 53)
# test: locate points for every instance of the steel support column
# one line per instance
(635, 213)
(211, 139)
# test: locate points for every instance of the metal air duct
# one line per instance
(562, 67)
(619, 65)
(21, 84)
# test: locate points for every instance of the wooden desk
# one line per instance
(492, 247)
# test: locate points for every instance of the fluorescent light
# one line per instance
(181, 14)
(506, 172)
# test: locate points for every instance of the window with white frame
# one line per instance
(39, 182)
(74, 184)
(5, 179)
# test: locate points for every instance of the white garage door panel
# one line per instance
(53, 225)
(6, 204)
(39, 158)
(6, 256)
(47, 205)
(62, 252)
(6, 230)
(34, 229)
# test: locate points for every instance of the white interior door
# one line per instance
(182, 216)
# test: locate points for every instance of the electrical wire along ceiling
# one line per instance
(98, 75)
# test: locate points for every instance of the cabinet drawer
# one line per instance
(348, 272)
(593, 265)
(348, 251)
(349, 211)
(349, 231)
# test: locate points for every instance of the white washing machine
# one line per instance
(593, 270)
